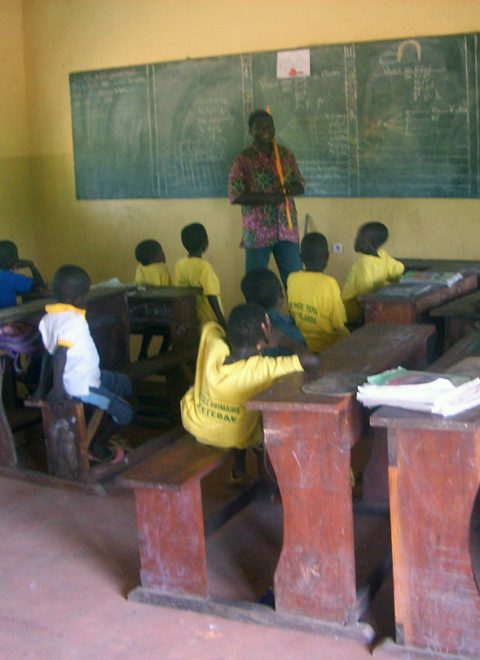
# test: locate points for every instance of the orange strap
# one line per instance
(278, 165)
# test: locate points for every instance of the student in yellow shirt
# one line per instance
(151, 271)
(314, 298)
(197, 272)
(230, 370)
(373, 270)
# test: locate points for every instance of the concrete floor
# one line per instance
(67, 562)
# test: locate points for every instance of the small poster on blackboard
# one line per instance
(293, 63)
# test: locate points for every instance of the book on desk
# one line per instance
(444, 278)
(440, 394)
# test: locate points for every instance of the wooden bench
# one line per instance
(170, 522)
(434, 479)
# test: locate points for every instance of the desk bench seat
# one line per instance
(170, 521)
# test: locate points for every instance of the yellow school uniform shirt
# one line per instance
(316, 306)
(153, 275)
(368, 274)
(213, 410)
(193, 271)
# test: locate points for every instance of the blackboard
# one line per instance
(382, 119)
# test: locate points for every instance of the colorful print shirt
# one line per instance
(254, 171)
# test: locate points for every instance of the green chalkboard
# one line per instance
(112, 134)
(417, 110)
(383, 119)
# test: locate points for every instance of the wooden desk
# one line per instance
(459, 317)
(107, 316)
(162, 308)
(448, 265)
(434, 477)
(309, 438)
(410, 303)
(468, 346)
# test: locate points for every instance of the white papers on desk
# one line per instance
(440, 394)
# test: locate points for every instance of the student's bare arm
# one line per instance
(213, 300)
(309, 361)
(38, 282)
(45, 374)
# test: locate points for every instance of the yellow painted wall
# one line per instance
(16, 210)
(73, 35)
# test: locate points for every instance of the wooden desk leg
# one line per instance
(171, 540)
(434, 478)
(8, 453)
(315, 576)
(375, 475)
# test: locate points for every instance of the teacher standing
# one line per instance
(263, 179)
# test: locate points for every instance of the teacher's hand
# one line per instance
(276, 197)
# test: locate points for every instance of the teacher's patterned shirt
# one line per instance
(254, 171)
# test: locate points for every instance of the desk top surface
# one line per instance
(414, 293)
(451, 265)
(36, 308)
(370, 349)
(163, 293)
(467, 307)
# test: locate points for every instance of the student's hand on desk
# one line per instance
(309, 361)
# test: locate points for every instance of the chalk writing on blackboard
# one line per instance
(380, 119)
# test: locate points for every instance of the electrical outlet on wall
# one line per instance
(337, 248)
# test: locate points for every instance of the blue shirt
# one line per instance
(10, 284)
(285, 324)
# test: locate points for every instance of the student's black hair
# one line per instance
(69, 283)
(194, 237)
(261, 286)
(258, 114)
(8, 254)
(314, 249)
(244, 326)
(377, 232)
(147, 252)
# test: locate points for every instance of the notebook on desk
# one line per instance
(404, 291)
(443, 278)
